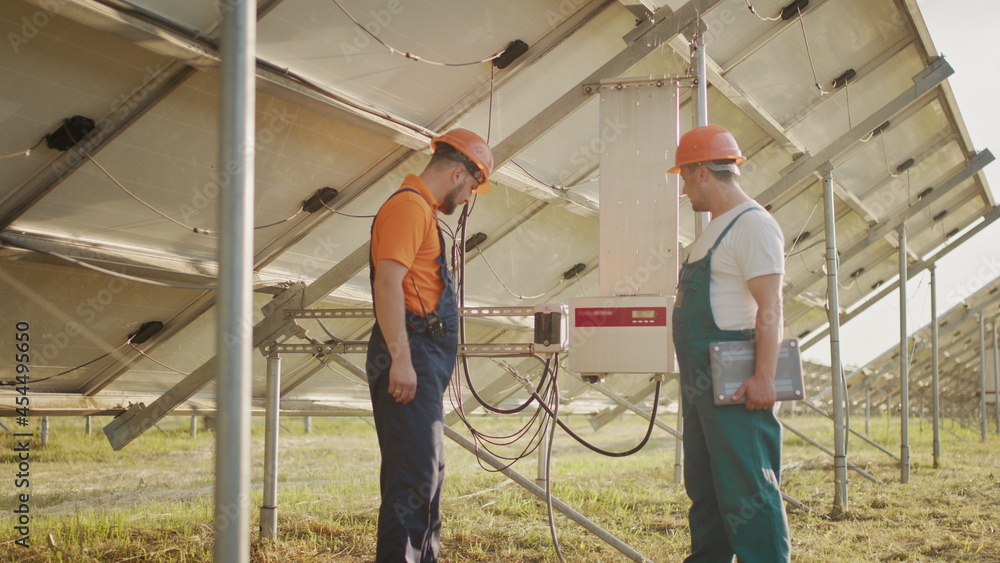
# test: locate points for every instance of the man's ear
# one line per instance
(703, 173)
(456, 173)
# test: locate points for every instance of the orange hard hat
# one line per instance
(474, 147)
(705, 144)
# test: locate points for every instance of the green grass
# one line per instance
(152, 501)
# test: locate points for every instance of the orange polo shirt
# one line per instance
(406, 231)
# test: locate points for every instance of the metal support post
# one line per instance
(840, 503)
(996, 376)
(272, 410)
(935, 370)
(701, 87)
(88, 427)
(868, 410)
(982, 378)
(237, 100)
(194, 427)
(678, 441)
(700, 219)
(701, 105)
(904, 366)
(307, 424)
(45, 431)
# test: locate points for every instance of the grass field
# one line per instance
(152, 501)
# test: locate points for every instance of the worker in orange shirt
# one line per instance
(413, 346)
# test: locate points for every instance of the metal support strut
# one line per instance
(982, 377)
(996, 375)
(935, 371)
(701, 105)
(237, 95)
(904, 366)
(269, 505)
(840, 504)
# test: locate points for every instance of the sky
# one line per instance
(964, 32)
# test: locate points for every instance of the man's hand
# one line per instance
(759, 391)
(391, 311)
(402, 382)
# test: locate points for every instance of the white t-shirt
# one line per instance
(753, 247)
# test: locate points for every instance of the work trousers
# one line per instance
(732, 467)
(411, 442)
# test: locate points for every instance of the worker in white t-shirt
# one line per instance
(730, 289)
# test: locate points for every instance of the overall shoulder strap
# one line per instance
(730, 226)
(371, 261)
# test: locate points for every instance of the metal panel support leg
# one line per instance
(237, 95)
(868, 410)
(679, 445)
(698, 57)
(840, 504)
(982, 378)
(904, 366)
(269, 507)
(935, 371)
(996, 376)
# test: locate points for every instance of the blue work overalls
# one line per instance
(411, 436)
(732, 455)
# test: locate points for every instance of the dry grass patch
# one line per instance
(153, 500)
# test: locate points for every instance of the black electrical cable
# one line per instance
(481, 439)
(408, 55)
(197, 230)
(511, 438)
(83, 264)
(213, 44)
(539, 180)
(497, 276)
(346, 214)
(498, 410)
(81, 366)
(157, 362)
(548, 473)
(760, 17)
(25, 152)
(285, 220)
(533, 443)
(458, 253)
(588, 445)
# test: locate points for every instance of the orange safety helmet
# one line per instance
(705, 144)
(474, 147)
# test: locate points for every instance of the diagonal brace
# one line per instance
(139, 418)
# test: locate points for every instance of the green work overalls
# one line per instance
(732, 455)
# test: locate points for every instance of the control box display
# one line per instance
(624, 334)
